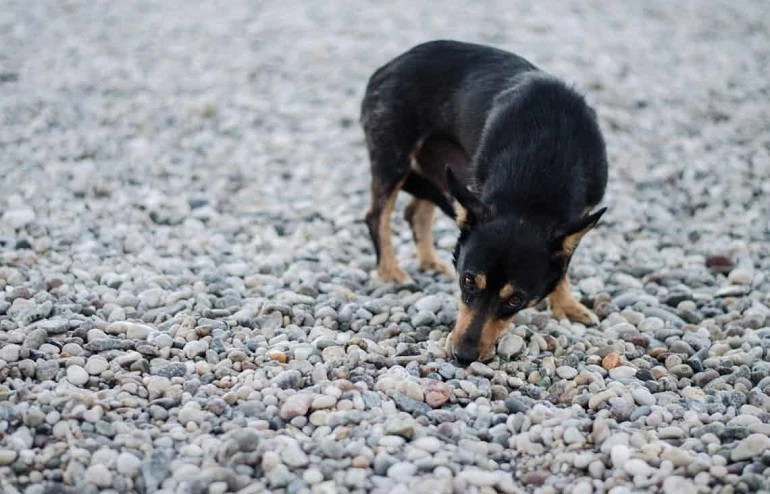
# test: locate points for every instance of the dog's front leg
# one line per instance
(563, 304)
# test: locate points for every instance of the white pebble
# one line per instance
(77, 375)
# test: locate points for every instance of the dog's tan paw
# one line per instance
(438, 267)
(575, 312)
(394, 275)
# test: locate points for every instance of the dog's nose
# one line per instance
(466, 355)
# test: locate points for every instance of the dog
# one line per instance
(513, 154)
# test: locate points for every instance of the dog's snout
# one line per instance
(466, 354)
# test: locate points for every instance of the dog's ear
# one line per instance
(469, 210)
(568, 238)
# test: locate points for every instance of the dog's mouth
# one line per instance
(467, 360)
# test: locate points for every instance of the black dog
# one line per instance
(521, 153)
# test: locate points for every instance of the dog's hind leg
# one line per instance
(378, 221)
(563, 304)
(389, 152)
(420, 213)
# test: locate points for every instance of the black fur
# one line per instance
(535, 157)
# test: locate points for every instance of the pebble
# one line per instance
(401, 470)
(638, 467)
(741, 276)
(10, 352)
(622, 372)
(573, 436)
(566, 372)
(195, 348)
(77, 375)
(510, 345)
(750, 447)
(678, 485)
(296, 405)
(98, 475)
(610, 361)
(7, 456)
(620, 454)
(96, 365)
(643, 397)
(323, 401)
(128, 464)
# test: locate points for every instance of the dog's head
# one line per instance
(504, 265)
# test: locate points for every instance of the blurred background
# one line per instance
(257, 102)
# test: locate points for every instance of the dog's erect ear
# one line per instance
(469, 210)
(568, 238)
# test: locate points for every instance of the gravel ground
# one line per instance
(186, 299)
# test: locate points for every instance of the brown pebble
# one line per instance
(611, 361)
(278, 356)
(437, 393)
(360, 461)
(535, 478)
(719, 263)
(203, 330)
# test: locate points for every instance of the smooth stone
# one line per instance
(7, 456)
(643, 397)
(622, 372)
(195, 348)
(741, 276)
(401, 470)
(678, 485)
(77, 375)
(10, 352)
(296, 405)
(751, 446)
(323, 401)
(573, 436)
(636, 467)
(128, 464)
(619, 455)
(510, 345)
(96, 365)
(98, 475)
(566, 372)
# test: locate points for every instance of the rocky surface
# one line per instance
(186, 302)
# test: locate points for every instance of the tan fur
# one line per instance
(489, 335)
(491, 331)
(420, 214)
(481, 281)
(464, 317)
(571, 242)
(506, 291)
(563, 304)
(462, 215)
(388, 268)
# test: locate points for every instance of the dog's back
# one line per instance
(442, 87)
(536, 136)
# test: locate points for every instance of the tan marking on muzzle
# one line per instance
(489, 335)
(490, 332)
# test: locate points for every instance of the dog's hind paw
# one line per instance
(438, 267)
(393, 274)
(576, 312)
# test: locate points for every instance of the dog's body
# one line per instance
(447, 115)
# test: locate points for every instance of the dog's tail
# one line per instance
(421, 187)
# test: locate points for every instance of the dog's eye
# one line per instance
(469, 281)
(515, 302)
